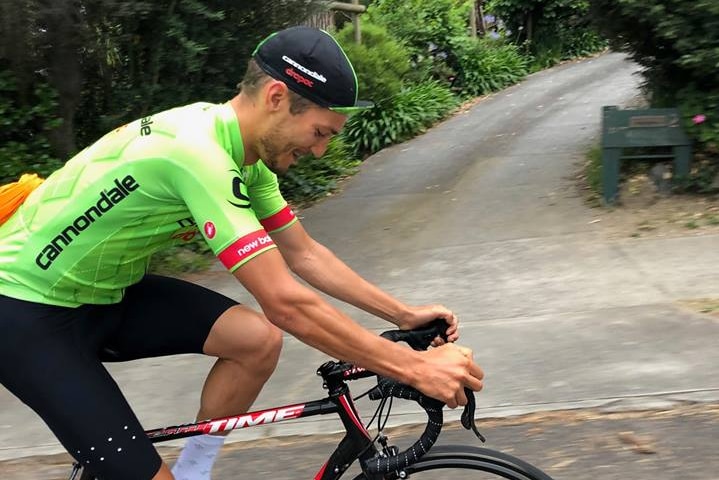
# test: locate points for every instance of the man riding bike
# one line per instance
(74, 291)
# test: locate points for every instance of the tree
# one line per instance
(99, 63)
(552, 30)
(677, 43)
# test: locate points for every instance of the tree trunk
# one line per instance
(473, 20)
(61, 20)
(482, 23)
(530, 26)
(322, 20)
(16, 23)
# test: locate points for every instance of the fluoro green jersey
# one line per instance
(89, 230)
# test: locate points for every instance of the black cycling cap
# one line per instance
(313, 65)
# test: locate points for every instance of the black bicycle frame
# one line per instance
(357, 443)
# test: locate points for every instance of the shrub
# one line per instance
(426, 27)
(421, 23)
(24, 147)
(486, 65)
(380, 61)
(549, 30)
(677, 45)
(312, 178)
(399, 118)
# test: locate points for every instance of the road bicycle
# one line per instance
(377, 458)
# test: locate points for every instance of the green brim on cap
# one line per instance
(359, 107)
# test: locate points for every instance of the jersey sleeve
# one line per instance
(215, 191)
(266, 199)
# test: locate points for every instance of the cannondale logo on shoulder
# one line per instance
(239, 190)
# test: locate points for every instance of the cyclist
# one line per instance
(74, 290)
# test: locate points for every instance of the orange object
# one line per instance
(14, 194)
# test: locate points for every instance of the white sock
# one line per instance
(197, 457)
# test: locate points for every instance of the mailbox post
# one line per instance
(634, 128)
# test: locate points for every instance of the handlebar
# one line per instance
(418, 339)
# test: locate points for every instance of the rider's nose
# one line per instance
(319, 148)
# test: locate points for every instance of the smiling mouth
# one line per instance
(297, 154)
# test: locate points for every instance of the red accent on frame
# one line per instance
(322, 471)
(244, 247)
(349, 408)
(278, 220)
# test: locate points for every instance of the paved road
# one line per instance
(571, 445)
(478, 214)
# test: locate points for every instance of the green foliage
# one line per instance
(548, 50)
(426, 27)
(486, 65)
(380, 61)
(593, 170)
(701, 180)
(399, 118)
(113, 61)
(144, 57)
(312, 178)
(698, 102)
(550, 30)
(421, 23)
(24, 147)
(677, 43)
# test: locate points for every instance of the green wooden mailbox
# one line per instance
(639, 128)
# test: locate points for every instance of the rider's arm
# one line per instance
(320, 267)
(317, 265)
(440, 373)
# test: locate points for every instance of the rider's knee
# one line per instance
(271, 348)
(266, 348)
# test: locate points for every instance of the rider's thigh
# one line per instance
(164, 316)
(48, 359)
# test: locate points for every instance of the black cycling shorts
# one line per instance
(51, 359)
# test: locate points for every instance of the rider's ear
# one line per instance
(276, 93)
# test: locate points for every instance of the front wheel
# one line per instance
(453, 462)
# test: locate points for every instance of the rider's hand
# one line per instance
(445, 372)
(415, 317)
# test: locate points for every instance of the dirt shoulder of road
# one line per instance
(643, 212)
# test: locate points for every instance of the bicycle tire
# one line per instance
(462, 457)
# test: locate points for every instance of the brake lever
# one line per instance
(468, 414)
(420, 339)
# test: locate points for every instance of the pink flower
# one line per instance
(701, 118)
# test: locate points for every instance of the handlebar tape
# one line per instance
(433, 409)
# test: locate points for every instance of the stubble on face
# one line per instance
(272, 146)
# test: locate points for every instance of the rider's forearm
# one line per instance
(306, 316)
(323, 270)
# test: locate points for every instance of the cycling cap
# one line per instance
(313, 65)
